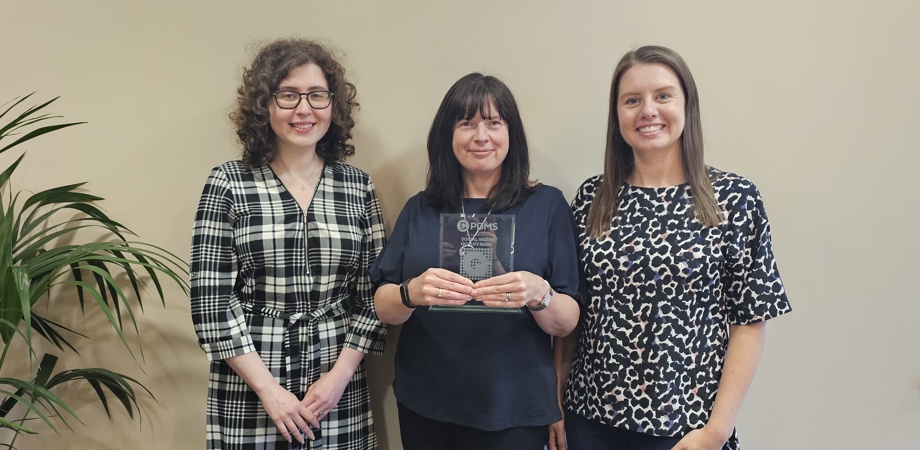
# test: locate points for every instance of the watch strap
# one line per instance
(546, 298)
(404, 294)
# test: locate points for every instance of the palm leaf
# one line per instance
(37, 133)
(28, 118)
(15, 102)
(36, 256)
(38, 392)
(117, 384)
(48, 329)
(36, 399)
(5, 176)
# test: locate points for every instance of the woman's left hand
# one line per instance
(701, 439)
(323, 395)
(511, 290)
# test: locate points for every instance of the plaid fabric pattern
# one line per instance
(291, 285)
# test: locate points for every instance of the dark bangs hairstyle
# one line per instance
(619, 158)
(472, 94)
(271, 65)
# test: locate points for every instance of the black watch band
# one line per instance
(404, 294)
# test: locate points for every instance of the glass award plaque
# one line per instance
(477, 248)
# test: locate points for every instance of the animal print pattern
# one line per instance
(661, 290)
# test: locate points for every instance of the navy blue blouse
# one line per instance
(487, 371)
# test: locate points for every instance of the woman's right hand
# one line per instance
(440, 287)
(557, 436)
(292, 418)
(289, 415)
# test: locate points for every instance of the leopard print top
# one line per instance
(660, 291)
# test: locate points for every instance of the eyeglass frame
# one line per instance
(301, 97)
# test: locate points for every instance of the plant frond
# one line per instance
(49, 330)
(37, 257)
(104, 307)
(36, 133)
(30, 395)
(27, 118)
(5, 176)
(15, 102)
(15, 306)
(117, 384)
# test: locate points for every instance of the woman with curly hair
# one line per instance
(281, 299)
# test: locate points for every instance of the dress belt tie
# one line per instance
(295, 367)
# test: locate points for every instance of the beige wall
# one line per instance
(817, 102)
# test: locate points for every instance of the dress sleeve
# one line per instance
(755, 292)
(217, 316)
(367, 334)
(562, 264)
(388, 268)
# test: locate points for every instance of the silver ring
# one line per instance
(319, 413)
(439, 293)
(507, 297)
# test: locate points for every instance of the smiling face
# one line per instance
(650, 108)
(481, 144)
(299, 129)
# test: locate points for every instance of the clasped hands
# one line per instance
(510, 290)
(294, 418)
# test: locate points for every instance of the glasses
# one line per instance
(287, 99)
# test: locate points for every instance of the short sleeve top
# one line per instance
(483, 370)
(661, 290)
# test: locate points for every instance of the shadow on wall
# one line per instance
(396, 178)
(383, 403)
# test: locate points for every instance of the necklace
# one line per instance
(303, 186)
(469, 243)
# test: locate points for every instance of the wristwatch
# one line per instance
(404, 294)
(546, 298)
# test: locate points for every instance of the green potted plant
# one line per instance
(39, 259)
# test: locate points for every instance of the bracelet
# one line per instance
(404, 294)
(546, 298)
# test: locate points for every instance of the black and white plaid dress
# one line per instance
(290, 285)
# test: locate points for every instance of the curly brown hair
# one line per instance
(271, 65)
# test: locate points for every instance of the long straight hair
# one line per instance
(619, 158)
(472, 94)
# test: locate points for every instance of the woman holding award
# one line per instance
(484, 237)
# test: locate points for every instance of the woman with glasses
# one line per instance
(679, 277)
(281, 299)
(480, 270)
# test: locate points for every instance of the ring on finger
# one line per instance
(507, 297)
(439, 293)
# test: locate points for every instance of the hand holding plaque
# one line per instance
(477, 249)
